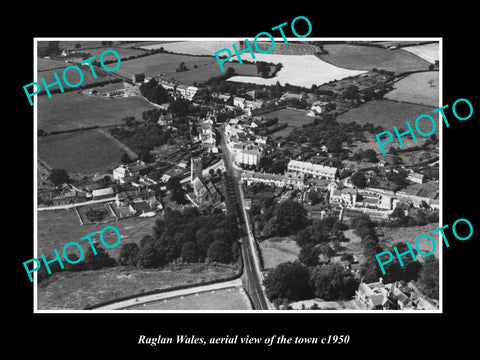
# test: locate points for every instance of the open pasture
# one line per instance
(420, 88)
(357, 57)
(80, 152)
(75, 110)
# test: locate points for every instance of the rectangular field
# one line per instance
(72, 76)
(428, 52)
(388, 114)
(75, 110)
(210, 47)
(162, 64)
(123, 52)
(419, 88)
(44, 64)
(80, 152)
(357, 57)
(279, 250)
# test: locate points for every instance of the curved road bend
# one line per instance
(125, 304)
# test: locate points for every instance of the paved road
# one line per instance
(252, 276)
(124, 305)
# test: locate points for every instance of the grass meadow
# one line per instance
(75, 110)
(80, 152)
(387, 114)
(357, 57)
(419, 88)
(278, 250)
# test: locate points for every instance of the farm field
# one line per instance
(389, 114)
(428, 52)
(58, 227)
(192, 47)
(300, 70)
(77, 290)
(44, 64)
(75, 110)
(123, 52)
(357, 57)
(80, 152)
(288, 49)
(279, 250)
(73, 77)
(165, 65)
(206, 72)
(225, 299)
(162, 64)
(70, 45)
(399, 43)
(207, 47)
(420, 88)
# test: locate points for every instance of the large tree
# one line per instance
(189, 252)
(428, 279)
(149, 257)
(220, 251)
(290, 280)
(358, 179)
(98, 261)
(290, 217)
(309, 255)
(333, 282)
(58, 176)
(128, 254)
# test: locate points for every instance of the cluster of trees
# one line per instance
(178, 193)
(426, 275)
(89, 262)
(154, 92)
(219, 81)
(59, 177)
(325, 130)
(281, 219)
(413, 217)
(276, 165)
(293, 281)
(94, 215)
(358, 179)
(185, 236)
(370, 270)
(264, 69)
(142, 138)
(369, 155)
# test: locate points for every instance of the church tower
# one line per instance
(196, 168)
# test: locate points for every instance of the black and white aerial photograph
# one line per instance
(195, 179)
(258, 185)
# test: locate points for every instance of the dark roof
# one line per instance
(141, 206)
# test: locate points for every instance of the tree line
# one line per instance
(182, 236)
